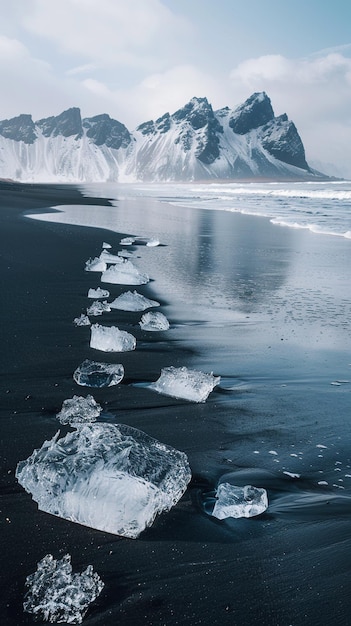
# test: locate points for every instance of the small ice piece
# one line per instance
(56, 595)
(98, 293)
(95, 374)
(125, 254)
(292, 475)
(320, 445)
(132, 301)
(124, 274)
(110, 258)
(274, 452)
(127, 241)
(111, 339)
(322, 482)
(111, 477)
(106, 245)
(82, 320)
(153, 243)
(237, 502)
(79, 410)
(98, 308)
(154, 321)
(181, 382)
(95, 265)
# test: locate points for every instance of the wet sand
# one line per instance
(277, 350)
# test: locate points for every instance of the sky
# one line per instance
(137, 59)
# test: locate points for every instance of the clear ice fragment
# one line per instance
(181, 382)
(79, 410)
(132, 301)
(95, 374)
(95, 265)
(98, 308)
(58, 596)
(98, 293)
(153, 242)
(111, 477)
(237, 502)
(82, 320)
(111, 339)
(124, 274)
(154, 321)
(110, 258)
(127, 241)
(106, 245)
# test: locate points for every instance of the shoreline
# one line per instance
(275, 396)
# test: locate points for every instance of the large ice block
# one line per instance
(132, 301)
(111, 339)
(95, 265)
(95, 374)
(154, 321)
(237, 502)
(98, 293)
(111, 477)
(98, 308)
(108, 257)
(124, 274)
(56, 595)
(79, 410)
(181, 382)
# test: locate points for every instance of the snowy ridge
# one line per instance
(193, 144)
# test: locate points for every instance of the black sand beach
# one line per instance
(277, 351)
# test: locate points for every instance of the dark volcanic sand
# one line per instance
(277, 354)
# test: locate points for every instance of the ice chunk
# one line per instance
(111, 339)
(95, 265)
(110, 258)
(95, 374)
(98, 293)
(106, 245)
(56, 595)
(82, 320)
(132, 301)
(79, 410)
(237, 502)
(154, 321)
(124, 274)
(111, 477)
(98, 308)
(127, 241)
(125, 254)
(180, 382)
(152, 243)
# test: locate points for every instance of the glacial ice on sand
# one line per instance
(127, 241)
(98, 308)
(79, 410)
(237, 502)
(124, 274)
(132, 301)
(96, 374)
(181, 382)
(111, 477)
(108, 257)
(98, 293)
(106, 245)
(56, 595)
(154, 321)
(152, 243)
(143, 241)
(111, 339)
(95, 265)
(82, 320)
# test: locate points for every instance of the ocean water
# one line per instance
(255, 281)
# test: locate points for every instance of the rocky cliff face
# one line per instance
(194, 143)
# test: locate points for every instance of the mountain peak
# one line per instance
(253, 113)
(20, 128)
(67, 124)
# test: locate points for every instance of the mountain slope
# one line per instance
(194, 143)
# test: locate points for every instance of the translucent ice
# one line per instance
(237, 502)
(98, 293)
(79, 410)
(95, 374)
(152, 243)
(98, 308)
(127, 241)
(110, 258)
(124, 274)
(132, 301)
(180, 382)
(111, 477)
(95, 265)
(111, 339)
(82, 320)
(56, 595)
(154, 321)
(106, 245)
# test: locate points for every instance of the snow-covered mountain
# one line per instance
(194, 143)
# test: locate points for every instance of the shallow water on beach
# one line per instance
(267, 308)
